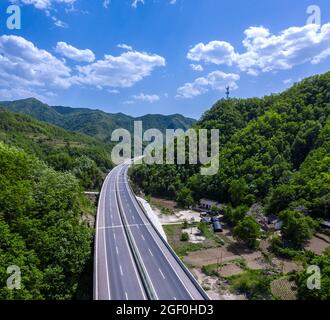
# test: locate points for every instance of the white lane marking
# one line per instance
(133, 217)
(175, 298)
(138, 252)
(161, 273)
(121, 270)
(150, 252)
(98, 218)
(121, 226)
(132, 197)
(106, 265)
(127, 245)
(117, 250)
(114, 236)
(143, 237)
(104, 240)
(126, 295)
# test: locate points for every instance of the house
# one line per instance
(208, 204)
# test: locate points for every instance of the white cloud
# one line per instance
(125, 46)
(287, 81)
(24, 68)
(266, 52)
(113, 91)
(197, 67)
(44, 4)
(216, 80)
(59, 23)
(119, 71)
(146, 97)
(136, 2)
(73, 53)
(23, 65)
(106, 3)
(217, 52)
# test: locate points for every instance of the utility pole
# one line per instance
(227, 92)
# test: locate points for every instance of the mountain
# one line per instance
(86, 157)
(274, 151)
(94, 123)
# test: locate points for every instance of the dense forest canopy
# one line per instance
(40, 227)
(87, 158)
(94, 123)
(274, 150)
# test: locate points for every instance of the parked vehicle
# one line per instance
(217, 227)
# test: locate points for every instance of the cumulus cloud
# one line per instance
(146, 97)
(216, 80)
(217, 52)
(24, 65)
(73, 53)
(24, 69)
(119, 71)
(266, 52)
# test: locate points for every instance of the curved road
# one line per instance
(131, 258)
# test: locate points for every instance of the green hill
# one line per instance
(84, 156)
(94, 123)
(274, 150)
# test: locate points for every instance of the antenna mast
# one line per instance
(227, 92)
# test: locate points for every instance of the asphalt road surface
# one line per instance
(131, 260)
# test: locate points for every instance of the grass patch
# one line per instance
(211, 270)
(255, 284)
(208, 233)
(182, 248)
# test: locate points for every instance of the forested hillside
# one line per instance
(87, 158)
(274, 150)
(95, 123)
(41, 228)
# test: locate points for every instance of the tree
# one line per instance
(237, 190)
(184, 198)
(184, 237)
(40, 228)
(296, 228)
(305, 293)
(235, 215)
(248, 231)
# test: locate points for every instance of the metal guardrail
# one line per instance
(144, 276)
(184, 268)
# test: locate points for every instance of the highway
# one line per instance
(131, 259)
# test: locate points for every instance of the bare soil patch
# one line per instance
(215, 287)
(317, 245)
(283, 289)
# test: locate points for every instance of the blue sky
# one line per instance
(159, 56)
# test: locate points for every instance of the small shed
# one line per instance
(217, 227)
(325, 224)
